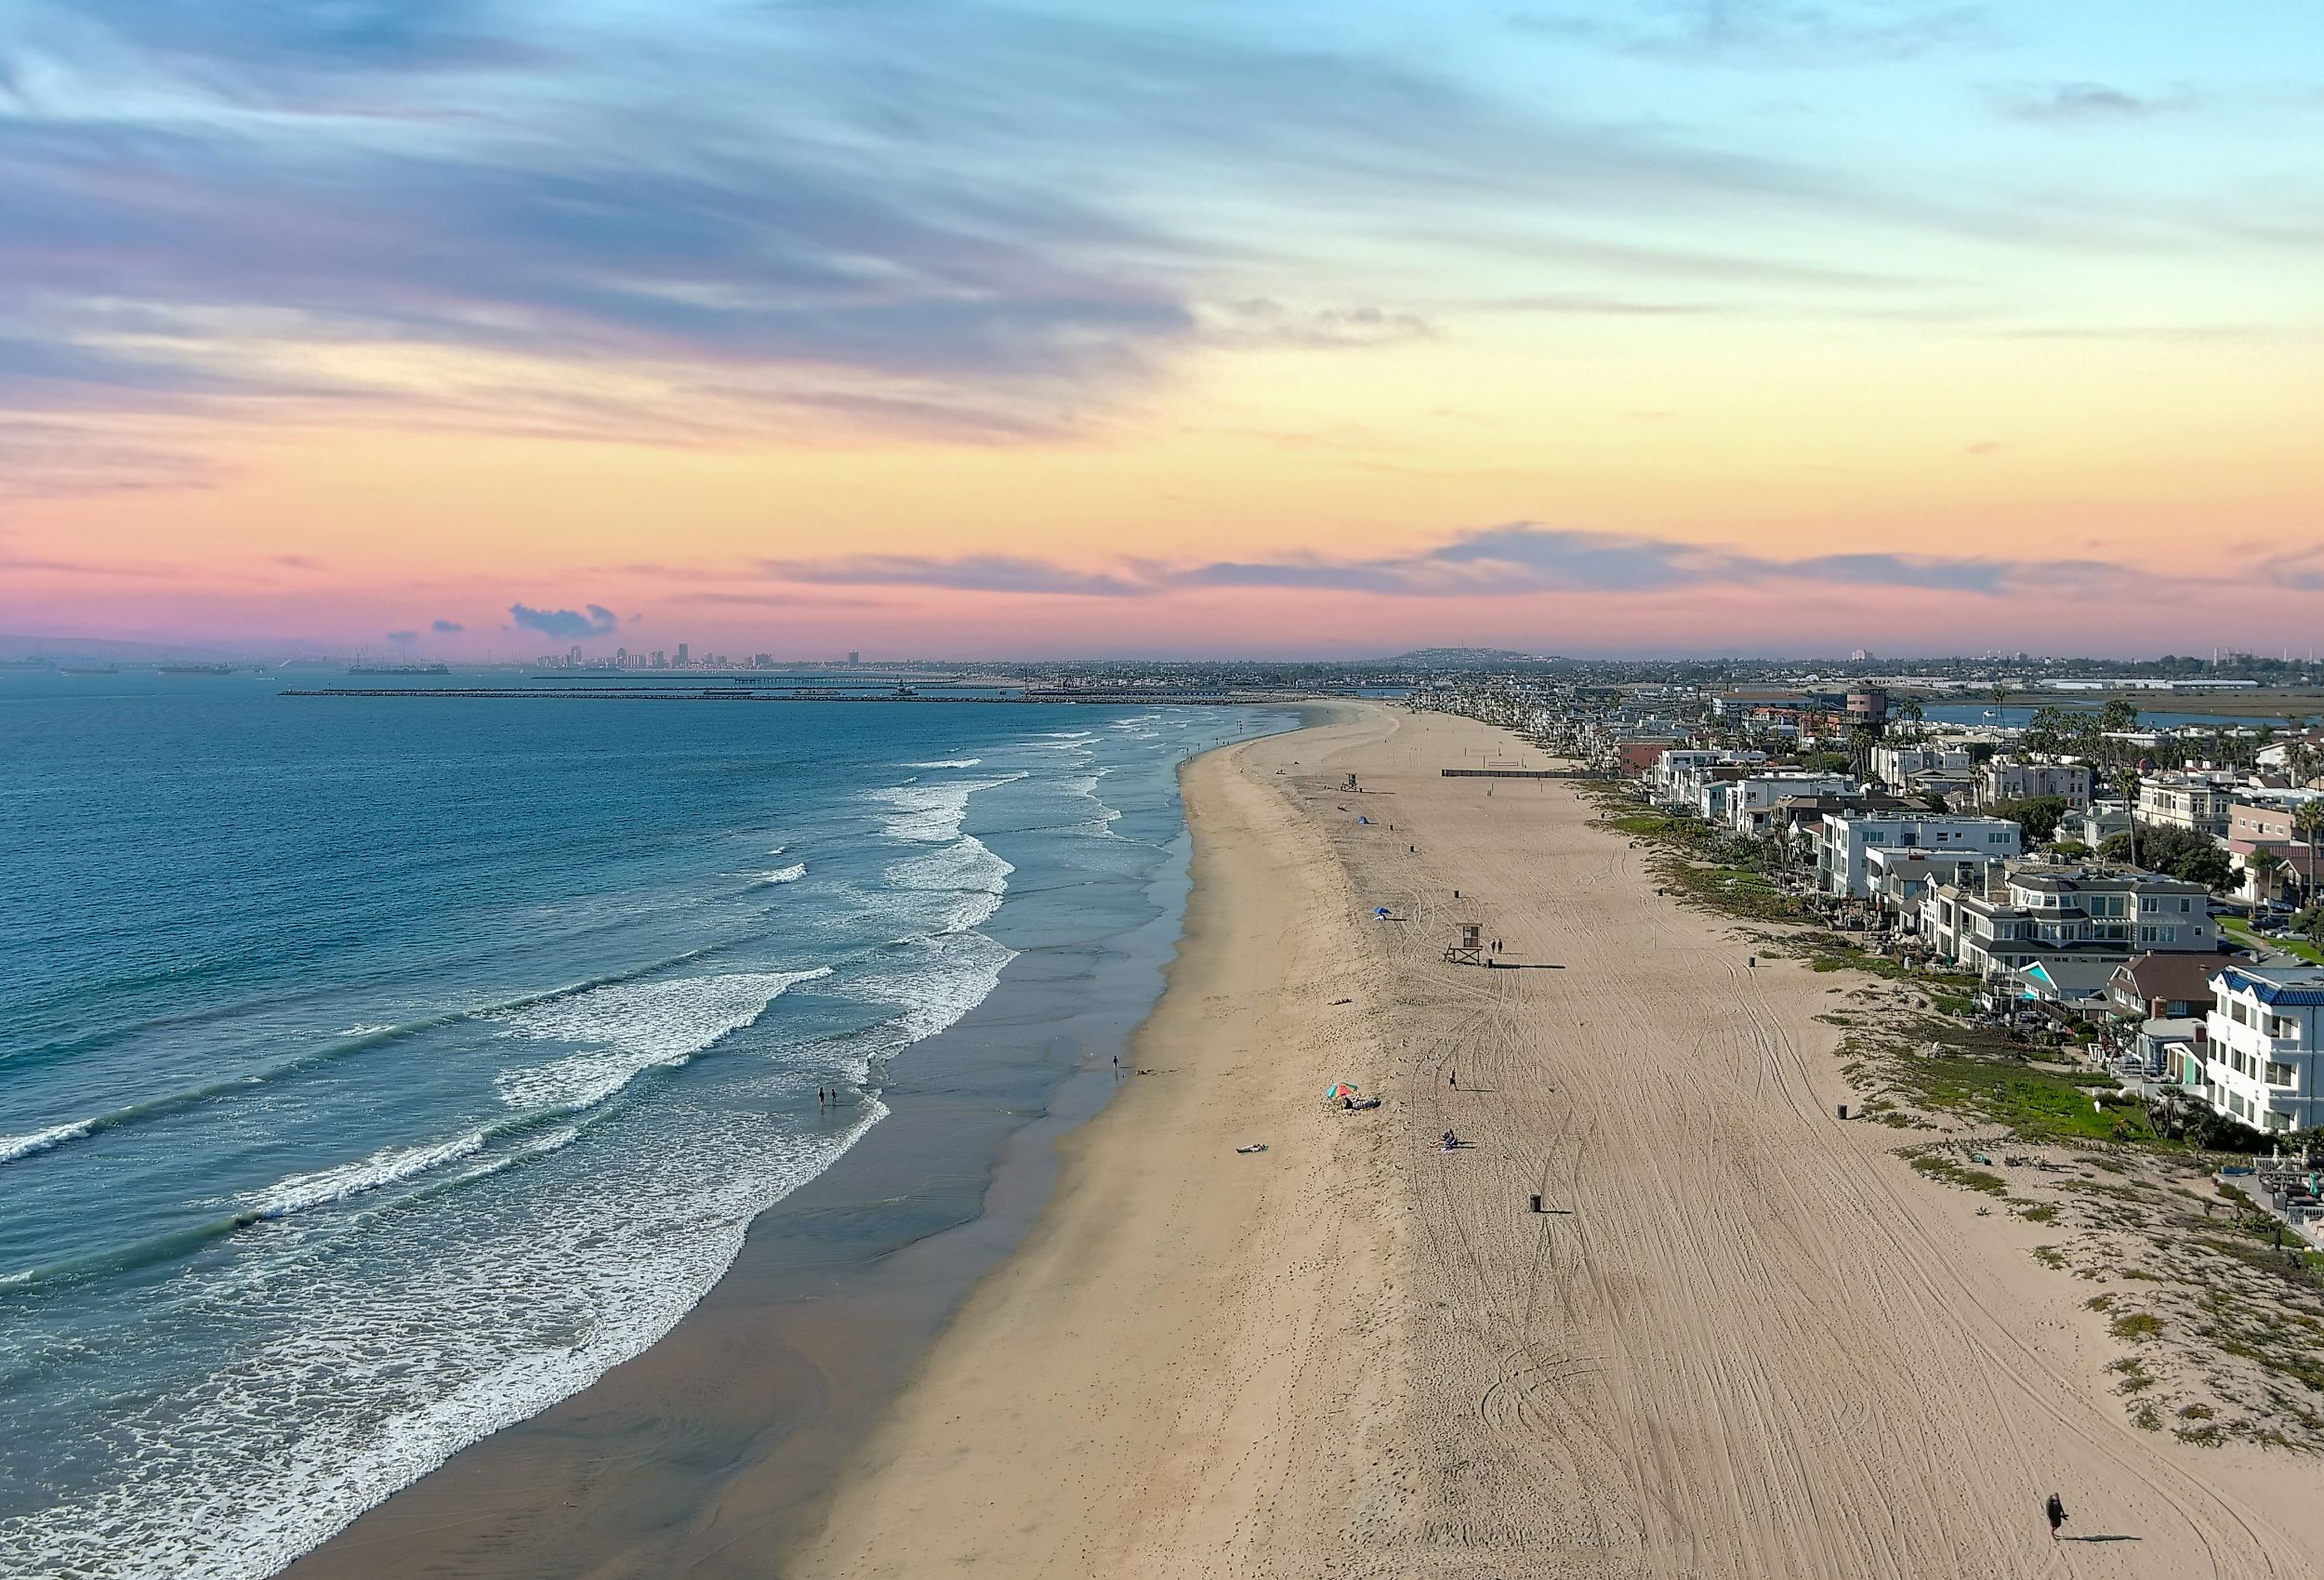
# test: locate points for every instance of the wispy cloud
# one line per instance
(2083, 102)
(446, 628)
(1769, 34)
(1516, 559)
(957, 221)
(974, 572)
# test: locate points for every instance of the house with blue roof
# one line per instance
(2264, 1054)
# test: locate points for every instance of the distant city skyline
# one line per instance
(1121, 329)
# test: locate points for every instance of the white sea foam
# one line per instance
(363, 1029)
(556, 1141)
(238, 1491)
(930, 982)
(931, 813)
(14, 1147)
(633, 1027)
(966, 864)
(948, 762)
(299, 1192)
(791, 874)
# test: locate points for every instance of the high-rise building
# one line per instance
(854, 657)
(621, 658)
(661, 658)
(683, 659)
(573, 657)
(762, 661)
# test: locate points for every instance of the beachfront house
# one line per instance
(2261, 1061)
(1901, 878)
(1679, 773)
(2064, 913)
(1846, 840)
(1751, 804)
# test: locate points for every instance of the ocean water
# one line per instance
(2017, 715)
(375, 1072)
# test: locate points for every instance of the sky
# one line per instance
(944, 327)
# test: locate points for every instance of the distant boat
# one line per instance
(193, 669)
(398, 669)
(88, 669)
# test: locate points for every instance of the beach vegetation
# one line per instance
(1939, 1167)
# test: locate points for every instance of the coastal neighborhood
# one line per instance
(2145, 890)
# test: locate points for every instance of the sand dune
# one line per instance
(1746, 1340)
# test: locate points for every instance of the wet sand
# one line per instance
(708, 1452)
(1744, 1339)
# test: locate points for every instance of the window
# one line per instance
(2278, 1075)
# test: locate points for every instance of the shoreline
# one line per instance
(716, 1444)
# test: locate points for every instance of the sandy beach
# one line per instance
(1744, 1339)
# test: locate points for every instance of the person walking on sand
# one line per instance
(1452, 1078)
(2055, 1511)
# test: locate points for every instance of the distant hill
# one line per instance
(1465, 658)
(102, 646)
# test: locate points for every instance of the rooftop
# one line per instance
(2288, 985)
(2074, 880)
(2177, 977)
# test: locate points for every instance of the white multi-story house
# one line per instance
(1900, 879)
(2265, 1053)
(1678, 776)
(2026, 780)
(2050, 914)
(1847, 836)
(1897, 765)
(2194, 801)
(1750, 803)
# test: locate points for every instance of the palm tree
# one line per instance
(2127, 781)
(2262, 864)
(1910, 713)
(2309, 822)
(2301, 758)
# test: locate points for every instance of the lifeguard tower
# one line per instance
(1470, 949)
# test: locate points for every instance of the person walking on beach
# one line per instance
(1452, 1078)
(2055, 1512)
